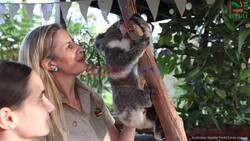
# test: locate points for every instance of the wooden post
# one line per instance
(171, 123)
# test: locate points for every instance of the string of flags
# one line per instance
(105, 7)
(46, 8)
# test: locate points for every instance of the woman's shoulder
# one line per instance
(86, 89)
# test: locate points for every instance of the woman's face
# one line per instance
(68, 55)
(33, 115)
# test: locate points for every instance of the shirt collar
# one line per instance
(83, 93)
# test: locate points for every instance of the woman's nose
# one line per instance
(50, 107)
(80, 50)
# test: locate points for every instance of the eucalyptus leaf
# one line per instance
(192, 75)
(243, 35)
(244, 74)
(229, 24)
(221, 94)
(245, 90)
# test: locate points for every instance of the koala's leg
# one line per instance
(153, 119)
(130, 104)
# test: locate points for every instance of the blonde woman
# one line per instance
(79, 114)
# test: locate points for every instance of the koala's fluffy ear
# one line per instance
(99, 42)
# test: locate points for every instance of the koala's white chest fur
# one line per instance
(123, 44)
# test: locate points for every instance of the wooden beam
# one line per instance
(171, 123)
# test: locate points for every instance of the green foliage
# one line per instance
(12, 32)
(210, 52)
(94, 75)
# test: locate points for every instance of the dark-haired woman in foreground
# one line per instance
(24, 109)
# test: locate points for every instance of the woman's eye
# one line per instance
(70, 46)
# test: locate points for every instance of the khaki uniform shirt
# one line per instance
(90, 124)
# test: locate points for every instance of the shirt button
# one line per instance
(74, 123)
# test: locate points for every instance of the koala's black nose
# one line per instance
(97, 45)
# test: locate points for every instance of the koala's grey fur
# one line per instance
(131, 96)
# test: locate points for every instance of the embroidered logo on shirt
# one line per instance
(98, 112)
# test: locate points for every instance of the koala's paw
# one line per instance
(147, 92)
(145, 41)
(137, 19)
(158, 131)
(149, 89)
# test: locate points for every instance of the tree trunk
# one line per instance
(171, 123)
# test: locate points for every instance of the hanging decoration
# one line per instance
(104, 5)
(153, 6)
(210, 2)
(181, 4)
(47, 10)
(84, 5)
(29, 8)
(13, 10)
(65, 9)
(2, 10)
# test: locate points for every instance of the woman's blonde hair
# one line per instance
(35, 47)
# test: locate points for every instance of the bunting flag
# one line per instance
(84, 5)
(47, 10)
(2, 10)
(65, 9)
(210, 2)
(105, 6)
(153, 6)
(29, 8)
(13, 10)
(181, 4)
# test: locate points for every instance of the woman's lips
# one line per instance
(81, 60)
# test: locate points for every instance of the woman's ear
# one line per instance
(47, 64)
(8, 119)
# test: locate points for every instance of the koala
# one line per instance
(131, 95)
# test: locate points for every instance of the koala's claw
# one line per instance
(158, 131)
(146, 40)
(137, 19)
(149, 89)
(143, 42)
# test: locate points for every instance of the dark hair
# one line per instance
(13, 83)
